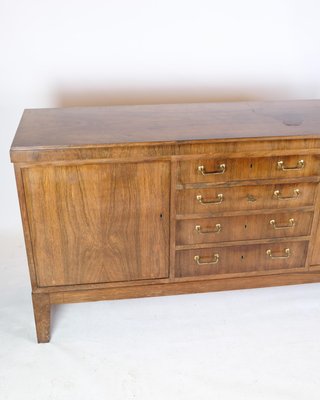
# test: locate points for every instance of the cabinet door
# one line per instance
(99, 223)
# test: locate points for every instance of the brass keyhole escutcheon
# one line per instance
(251, 198)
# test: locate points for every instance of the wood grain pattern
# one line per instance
(241, 242)
(228, 147)
(26, 227)
(246, 182)
(190, 286)
(237, 259)
(173, 184)
(314, 248)
(236, 198)
(42, 315)
(245, 227)
(167, 122)
(257, 146)
(99, 223)
(246, 168)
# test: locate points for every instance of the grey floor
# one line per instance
(246, 344)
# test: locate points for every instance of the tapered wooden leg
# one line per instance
(41, 310)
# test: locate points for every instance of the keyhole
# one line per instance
(161, 215)
(251, 166)
(242, 257)
(245, 227)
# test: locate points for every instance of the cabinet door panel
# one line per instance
(99, 223)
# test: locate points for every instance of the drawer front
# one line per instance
(257, 197)
(233, 169)
(243, 227)
(241, 259)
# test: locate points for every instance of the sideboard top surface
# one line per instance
(95, 126)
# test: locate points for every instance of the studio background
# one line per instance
(226, 345)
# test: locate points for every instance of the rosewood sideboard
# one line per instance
(132, 201)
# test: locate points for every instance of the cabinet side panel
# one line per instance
(25, 224)
(99, 223)
(315, 242)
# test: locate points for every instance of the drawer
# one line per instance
(255, 197)
(243, 227)
(241, 259)
(233, 169)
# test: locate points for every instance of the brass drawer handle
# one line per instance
(216, 230)
(219, 197)
(291, 224)
(300, 165)
(287, 254)
(277, 195)
(215, 260)
(221, 170)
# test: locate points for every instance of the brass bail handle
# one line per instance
(286, 251)
(217, 229)
(300, 165)
(221, 170)
(277, 195)
(218, 201)
(214, 260)
(291, 224)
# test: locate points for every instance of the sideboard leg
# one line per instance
(41, 310)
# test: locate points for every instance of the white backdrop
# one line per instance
(248, 345)
(73, 52)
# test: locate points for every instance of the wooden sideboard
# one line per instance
(132, 201)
